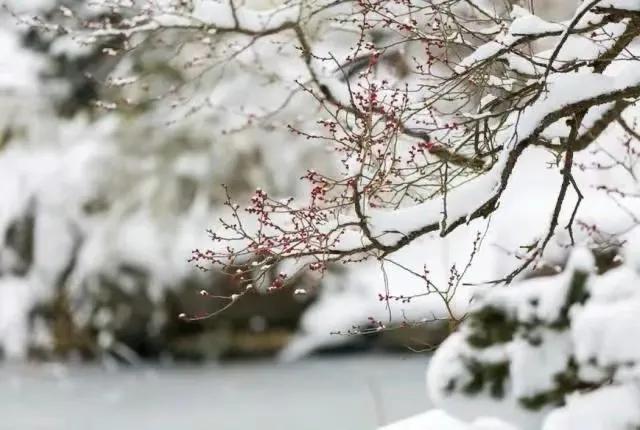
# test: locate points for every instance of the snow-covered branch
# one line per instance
(529, 119)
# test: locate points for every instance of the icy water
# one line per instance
(353, 392)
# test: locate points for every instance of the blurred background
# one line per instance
(111, 168)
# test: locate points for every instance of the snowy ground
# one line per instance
(345, 392)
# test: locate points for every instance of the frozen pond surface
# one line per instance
(354, 392)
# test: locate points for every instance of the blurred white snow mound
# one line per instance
(551, 352)
(608, 408)
(439, 420)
